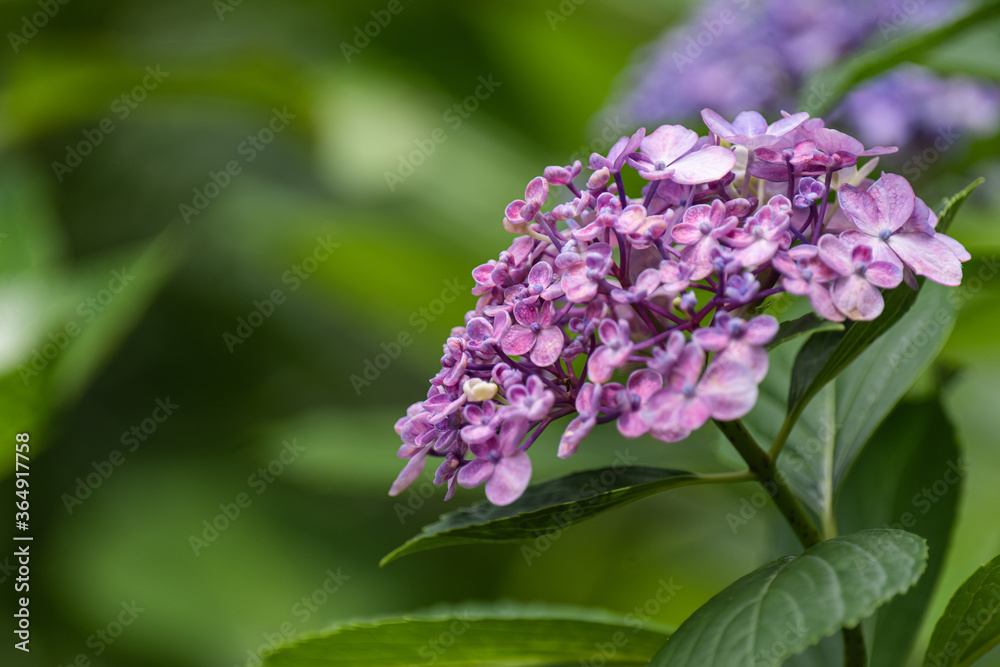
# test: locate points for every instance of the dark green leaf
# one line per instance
(918, 444)
(970, 624)
(786, 606)
(548, 507)
(807, 324)
(831, 431)
(508, 634)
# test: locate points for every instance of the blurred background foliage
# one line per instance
(83, 363)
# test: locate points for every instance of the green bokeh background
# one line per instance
(398, 250)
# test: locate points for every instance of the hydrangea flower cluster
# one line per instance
(643, 310)
(764, 52)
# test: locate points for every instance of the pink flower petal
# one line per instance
(728, 389)
(711, 338)
(928, 256)
(953, 245)
(709, 164)
(475, 472)
(894, 198)
(510, 479)
(410, 472)
(760, 330)
(644, 383)
(857, 298)
(518, 340)
(548, 346)
(668, 142)
(836, 254)
(884, 275)
(693, 413)
(631, 425)
(860, 209)
(822, 303)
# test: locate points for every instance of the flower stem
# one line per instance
(762, 465)
(855, 653)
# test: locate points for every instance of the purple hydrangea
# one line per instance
(765, 51)
(642, 308)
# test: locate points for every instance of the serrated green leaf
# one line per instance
(502, 634)
(547, 507)
(786, 606)
(919, 443)
(970, 624)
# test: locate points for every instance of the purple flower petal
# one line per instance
(518, 340)
(928, 256)
(509, 480)
(709, 164)
(729, 390)
(475, 472)
(548, 346)
(410, 472)
(857, 298)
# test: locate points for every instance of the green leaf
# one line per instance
(831, 431)
(918, 443)
(970, 624)
(548, 507)
(834, 351)
(807, 324)
(949, 207)
(828, 86)
(882, 369)
(786, 606)
(508, 634)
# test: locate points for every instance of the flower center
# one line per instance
(705, 228)
(688, 390)
(884, 234)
